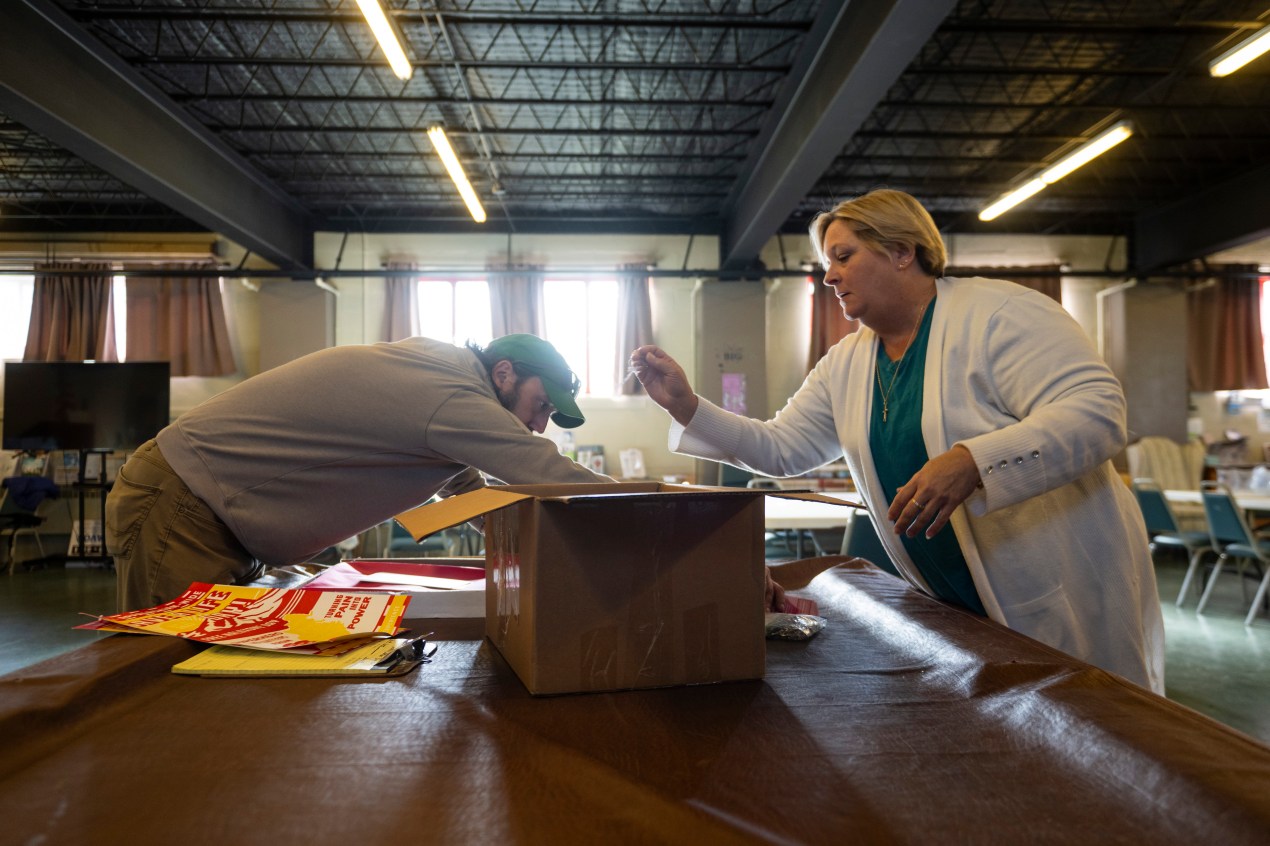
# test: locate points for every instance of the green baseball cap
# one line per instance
(536, 356)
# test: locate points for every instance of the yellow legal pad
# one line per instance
(371, 660)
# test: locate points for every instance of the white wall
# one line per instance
(1147, 341)
(788, 338)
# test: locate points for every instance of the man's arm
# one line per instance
(475, 430)
(469, 479)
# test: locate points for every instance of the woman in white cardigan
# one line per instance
(978, 421)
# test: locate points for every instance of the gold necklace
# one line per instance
(886, 392)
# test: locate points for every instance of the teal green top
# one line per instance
(899, 452)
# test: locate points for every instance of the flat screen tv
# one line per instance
(83, 405)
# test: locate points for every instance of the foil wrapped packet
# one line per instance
(792, 626)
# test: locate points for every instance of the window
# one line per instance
(582, 325)
(15, 315)
(455, 311)
(16, 293)
(581, 322)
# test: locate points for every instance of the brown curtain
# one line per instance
(828, 325)
(516, 301)
(180, 320)
(72, 317)
(1046, 280)
(1225, 352)
(634, 322)
(401, 308)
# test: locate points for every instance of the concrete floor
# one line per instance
(40, 608)
(1214, 663)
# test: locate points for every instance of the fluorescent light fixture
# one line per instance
(1012, 199)
(1241, 54)
(1088, 151)
(387, 37)
(1082, 155)
(442, 145)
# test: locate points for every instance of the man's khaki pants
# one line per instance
(163, 537)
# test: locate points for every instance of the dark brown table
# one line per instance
(905, 721)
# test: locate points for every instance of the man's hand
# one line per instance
(665, 381)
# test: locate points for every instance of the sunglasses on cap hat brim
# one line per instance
(566, 379)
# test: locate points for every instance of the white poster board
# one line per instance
(92, 539)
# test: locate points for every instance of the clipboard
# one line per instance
(385, 658)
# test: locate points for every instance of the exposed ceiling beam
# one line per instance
(530, 131)
(694, 104)
(864, 46)
(1218, 218)
(1091, 25)
(61, 83)
(577, 66)
(406, 17)
(525, 225)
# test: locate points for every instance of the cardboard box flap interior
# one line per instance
(432, 517)
(814, 497)
(658, 488)
(651, 490)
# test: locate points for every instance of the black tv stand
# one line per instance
(102, 485)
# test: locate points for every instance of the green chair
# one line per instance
(1164, 531)
(1232, 537)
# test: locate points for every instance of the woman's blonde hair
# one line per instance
(885, 219)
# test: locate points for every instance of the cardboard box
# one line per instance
(618, 586)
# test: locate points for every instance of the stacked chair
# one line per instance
(1173, 466)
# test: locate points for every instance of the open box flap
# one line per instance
(644, 491)
(814, 497)
(451, 511)
(433, 517)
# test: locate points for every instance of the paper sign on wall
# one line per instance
(734, 392)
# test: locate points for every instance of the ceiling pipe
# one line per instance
(1101, 320)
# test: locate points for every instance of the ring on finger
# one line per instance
(919, 505)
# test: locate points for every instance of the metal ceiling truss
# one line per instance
(747, 116)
